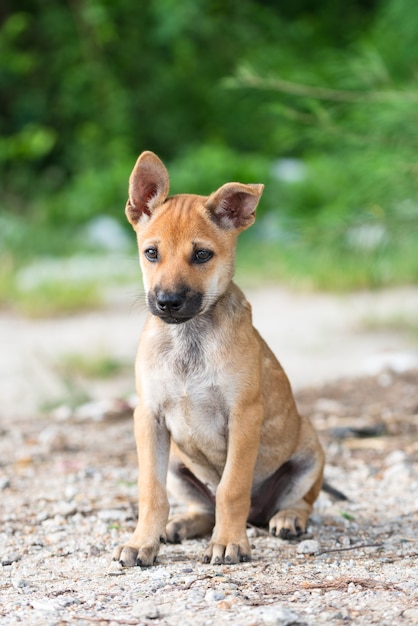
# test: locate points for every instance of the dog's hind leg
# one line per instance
(284, 500)
(291, 520)
(299, 486)
(199, 518)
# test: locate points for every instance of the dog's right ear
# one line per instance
(148, 187)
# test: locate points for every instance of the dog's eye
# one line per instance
(151, 254)
(201, 256)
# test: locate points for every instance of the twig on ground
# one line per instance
(341, 583)
(359, 546)
(195, 580)
(88, 618)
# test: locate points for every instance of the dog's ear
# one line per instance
(233, 205)
(148, 187)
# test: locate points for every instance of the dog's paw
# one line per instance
(287, 524)
(129, 556)
(187, 525)
(176, 530)
(219, 554)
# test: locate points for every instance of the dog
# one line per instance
(216, 421)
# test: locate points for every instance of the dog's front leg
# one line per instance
(153, 446)
(229, 543)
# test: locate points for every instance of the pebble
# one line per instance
(52, 439)
(115, 569)
(145, 609)
(411, 614)
(4, 483)
(351, 588)
(21, 583)
(8, 559)
(279, 616)
(395, 457)
(214, 596)
(309, 546)
(112, 515)
(45, 604)
(57, 566)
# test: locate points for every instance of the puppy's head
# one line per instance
(186, 242)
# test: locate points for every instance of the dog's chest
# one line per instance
(197, 418)
(188, 388)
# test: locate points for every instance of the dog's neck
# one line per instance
(189, 343)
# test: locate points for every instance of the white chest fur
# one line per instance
(183, 385)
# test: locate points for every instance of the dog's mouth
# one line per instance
(174, 307)
(174, 320)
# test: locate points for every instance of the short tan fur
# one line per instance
(216, 419)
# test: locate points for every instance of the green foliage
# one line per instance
(221, 91)
(353, 119)
(202, 169)
(98, 366)
(57, 298)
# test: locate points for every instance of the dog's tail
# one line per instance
(333, 492)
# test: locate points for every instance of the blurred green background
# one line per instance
(318, 99)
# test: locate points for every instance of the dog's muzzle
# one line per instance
(174, 307)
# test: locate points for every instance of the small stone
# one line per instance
(65, 509)
(112, 515)
(20, 583)
(344, 540)
(116, 569)
(94, 411)
(94, 551)
(411, 613)
(8, 559)
(45, 604)
(279, 616)
(309, 546)
(351, 588)
(214, 596)
(398, 473)
(146, 610)
(4, 483)
(65, 602)
(225, 605)
(395, 457)
(53, 439)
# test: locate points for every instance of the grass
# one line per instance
(53, 299)
(97, 366)
(328, 263)
(76, 370)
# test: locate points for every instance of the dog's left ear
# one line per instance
(233, 205)
(148, 187)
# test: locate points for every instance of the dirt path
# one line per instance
(68, 493)
(317, 338)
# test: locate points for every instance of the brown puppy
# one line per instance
(208, 385)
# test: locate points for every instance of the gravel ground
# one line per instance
(68, 492)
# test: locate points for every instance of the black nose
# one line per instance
(169, 302)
